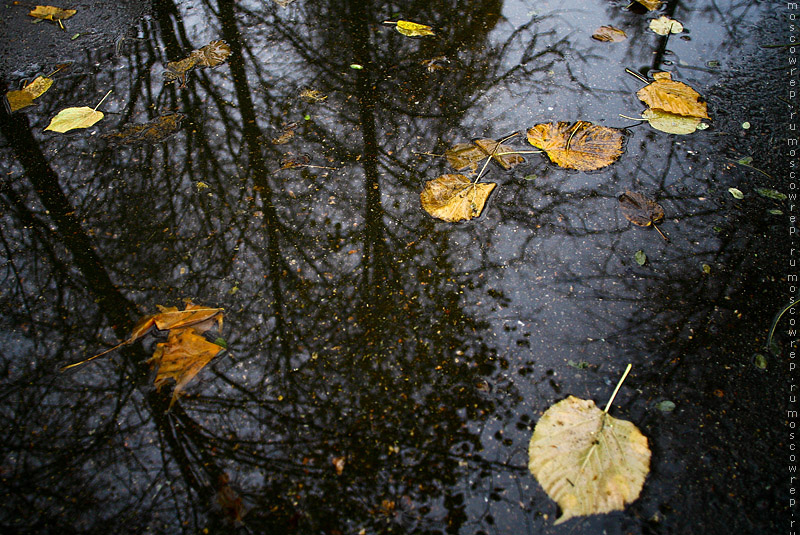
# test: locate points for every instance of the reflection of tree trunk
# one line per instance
(45, 183)
(258, 167)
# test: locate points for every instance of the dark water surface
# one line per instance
(360, 330)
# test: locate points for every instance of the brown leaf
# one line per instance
(650, 4)
(609, 34)
(670, 96)
(229, 501)
(640, 209)
(468, 155)
(583, 146)
(181, 358)
(211, 55)
(455, 197)
(151, 132)
(338, 464)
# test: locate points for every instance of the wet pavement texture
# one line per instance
(384, 370)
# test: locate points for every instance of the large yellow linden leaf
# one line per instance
(455, 197)
(72, 118)
(671, 123)
(583, 146)
(413, 29)
(586, 460)
(670, 96)
(181, 358)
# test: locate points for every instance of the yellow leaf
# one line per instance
(463, 155)
(670, 96)
(650, 4)
(664, 25)
(412, 29)
(25, 96)
(455, 197)
(181, 358)
(670, 122)
(51, 13)
(211, 55)
(610, 34)
(583, 146)
(72, 118)
(586, 460)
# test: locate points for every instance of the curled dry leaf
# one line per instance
(211, 55)
(583, 146)
(651, 5)
(609, 34)
(25, 96)
(669, 96)
(151, 132)
(72, 118)
(586, 460)
(664, 25)
(312, 95)
(181, 358)
(469, 155)
(454, 198)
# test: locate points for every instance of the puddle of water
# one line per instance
(384, 370)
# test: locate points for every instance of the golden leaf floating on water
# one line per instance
(211, 55)
(586, 460)
(609, 34)
(151, 132)
(181, 358)
(55, 14)
(463, 155)
(671, 123)
(72, 118)
(411, 29)
(670, 96)
(664, 25)
(651, 5)
(583, 146)
(454, 198)
(25, 96)
(312, 95)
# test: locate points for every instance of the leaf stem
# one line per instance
(102, 99)
(777, 319)
(637, 75)
(659, 231)
(65, 368)
(640, 119)
(619, 384)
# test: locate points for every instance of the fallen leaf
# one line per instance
(640, 257)
(283, 3)
(455, 197)
(737, 193)
(338, 464)
(771, 194)
(650, 4)
(609, 34)
(72, 118)
(151, 132)
(469, 155)
(181, 358)
(670, 96)
(292, 161)
(312, 95)
(51, 13)
(229, 501)
(25, 96)
(583, 146)
(211, 55)
(671, 123)
(411, 29)
(586, 460)
(664, 25)
(666, 406)
(640, 209)
(285, 136)
(200, 318)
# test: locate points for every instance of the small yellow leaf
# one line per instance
(454, 198)
(671, 123)
(650, 4)
(664, 25)
(25, 96)
(72, 118)
(609, 34)
(413, 29)
(51, 13)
